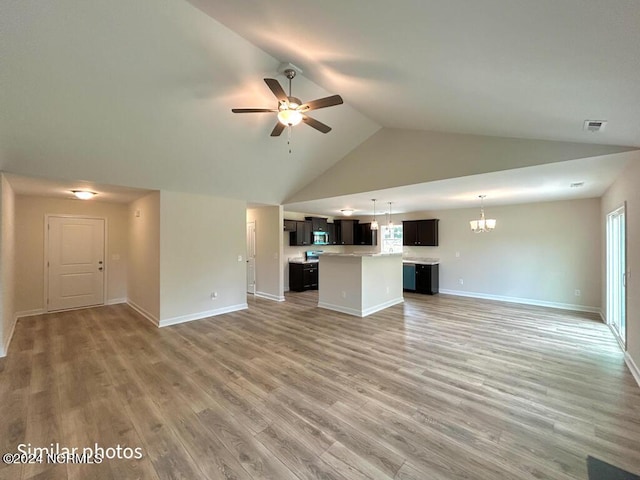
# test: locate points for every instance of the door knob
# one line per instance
(100, 268)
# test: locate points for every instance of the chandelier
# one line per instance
(482, 225)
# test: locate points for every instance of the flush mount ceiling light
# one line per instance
(482, 225)
(347, 212)
(374, 222)
(84, 194)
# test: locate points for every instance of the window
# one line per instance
(391, 238)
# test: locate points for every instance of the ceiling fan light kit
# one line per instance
(290, 110)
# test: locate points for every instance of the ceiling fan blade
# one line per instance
(321, 103)
(277, 130)
(252, 110)
(277, 90)
(312, 122)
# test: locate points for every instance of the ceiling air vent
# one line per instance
(594, 125)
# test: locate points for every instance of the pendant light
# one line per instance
(390, 223)
(374, 222)
(482, 225)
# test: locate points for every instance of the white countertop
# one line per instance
(421, 261)
(302, 260)
(361, 254)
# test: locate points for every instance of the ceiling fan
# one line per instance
(291, 111)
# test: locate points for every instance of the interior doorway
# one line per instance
(74, 262)
(251, 257)
(616, 274)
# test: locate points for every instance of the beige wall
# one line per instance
(625, 189)
(269, 251)
(30, 214)
(7, 264)
(539, 252)
(143, 278)
(394, 157)
(202, 250)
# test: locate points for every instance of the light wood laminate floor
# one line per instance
(440, 387)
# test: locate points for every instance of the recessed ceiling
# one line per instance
(43, 187)
(534, 69)
(542, 183)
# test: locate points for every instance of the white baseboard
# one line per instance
(143, 312)
(31, 313)
(360, 312)
(524, 301)
(632, 367)
(200, 315)
(116, 301)
(270, 296)
(7, 341)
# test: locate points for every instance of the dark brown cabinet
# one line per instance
(366, 236)
(289, 225)
(420, 233)
(427, 279)
(302, 235)
(303, 276)
(347, 231)
(332, 237)
(317, 224)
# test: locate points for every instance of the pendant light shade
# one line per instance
(374, 222)
(390, 223)
(483, 224)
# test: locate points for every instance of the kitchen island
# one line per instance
(360, 283)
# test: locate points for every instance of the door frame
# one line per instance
(45, 265)
(621, 341)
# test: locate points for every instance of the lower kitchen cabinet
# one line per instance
(409, 277)
(303, 276)
(427, 278)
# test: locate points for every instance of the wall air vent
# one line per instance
(594, 125)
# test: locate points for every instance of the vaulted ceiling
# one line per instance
(139, 93)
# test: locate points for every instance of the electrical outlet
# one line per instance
(344, 294)
(239, 258)
(214, 295)
(457, 254)
(577, 293)
(461, 281)
(388, 290)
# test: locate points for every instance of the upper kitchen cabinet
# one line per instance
(420, 233)
(302, 235)
(317, 224)
(290, 225)
(347, 231)
(332, 235)
(366, 236)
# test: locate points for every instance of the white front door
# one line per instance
(251, 257)
(75, 257)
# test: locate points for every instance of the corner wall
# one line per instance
(7, 264)
(625, 189)
(143, 276)
(202, 251)
(269, 251)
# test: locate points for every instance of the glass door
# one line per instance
(616, 273)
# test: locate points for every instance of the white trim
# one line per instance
(105, 247)
(30, 313)
(143, 312)
(116, 301)
(633, 368)
(382, 306)
(524, 301)
(361, 312)
(7, 341)
(200, 315)
(270, 296)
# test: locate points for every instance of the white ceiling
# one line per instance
(138, 94)
(541, 183)
(529, 69)
(44, 187)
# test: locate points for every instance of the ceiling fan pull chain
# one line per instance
(289, 138)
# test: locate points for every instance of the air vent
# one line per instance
(594, 125)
